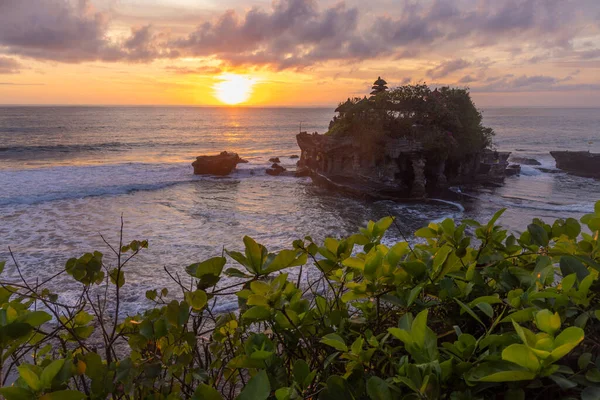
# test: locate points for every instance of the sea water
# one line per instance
(68, 174)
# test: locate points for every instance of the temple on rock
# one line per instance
(406, 142)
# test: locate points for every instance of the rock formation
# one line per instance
(582, 163)
(275, 170)
(404, 170)
(274, 160)
(221, 164)
(407, 142)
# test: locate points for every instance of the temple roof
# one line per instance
(344, 107)
(379, 82)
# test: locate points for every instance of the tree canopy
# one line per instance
(445, 120)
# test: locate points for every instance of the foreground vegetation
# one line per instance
(471, 312)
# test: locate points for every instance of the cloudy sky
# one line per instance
(297, 52)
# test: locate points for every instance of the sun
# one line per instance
(234, 89)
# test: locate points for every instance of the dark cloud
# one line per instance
(59, 30)
(447, 67)
(522, 83)
(299, 34)
(294, 34)
(9, 66)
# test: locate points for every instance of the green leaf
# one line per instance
(205, 392)
(402, 335)
(50, 372)
(426, 233)
(236, 273)
(300, 371)
(35, 318)
(212, 266)
(64, 395)
(499, 371)
(120, 280)
(285, 259)
(548, 322)
(486, 308)
(495, 218)
(334, 341)
(539, 235)
(255, 254)
(570, 264)
(440, 257)
(16, 393)
(378, 389)
(470, 312)
(286, 393)
(354, 262)
(566, 341)
(382, 225)
(2, 264)
(415, 268)
(197, 299)
(258, 388)
(521, 355)
(584, 360)
(30, 377)
(256, 313)
(419, 328)
(524, 315)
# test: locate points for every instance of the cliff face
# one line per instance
(582, 163)
(397, 168)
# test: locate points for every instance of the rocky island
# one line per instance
(221, 164)
(403, 143)
(581, 163)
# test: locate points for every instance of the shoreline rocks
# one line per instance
(581, 163)
(221, 164)
(403, 170)
(274, 160)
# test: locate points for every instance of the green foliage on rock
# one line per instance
(444, 120)
(467, 311)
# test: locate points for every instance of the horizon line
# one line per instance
(225, 106)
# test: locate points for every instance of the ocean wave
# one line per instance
(68, 148)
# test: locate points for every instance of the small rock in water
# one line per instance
(274, 160)
(294, 156)
(221, 164)
(275, 170)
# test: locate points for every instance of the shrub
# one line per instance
(469, 312)
(445, 121)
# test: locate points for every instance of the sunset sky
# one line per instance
(296, 52)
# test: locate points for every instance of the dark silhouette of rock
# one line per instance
(275, 170)
(302, 172)
(221, 164)
(274, 160)
(525, 161)
(403, 170)
(581, 163)
(513, 169)
(293, 156)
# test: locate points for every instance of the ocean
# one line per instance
(68, 174)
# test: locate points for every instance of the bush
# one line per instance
(470, 312)
(445, 121)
